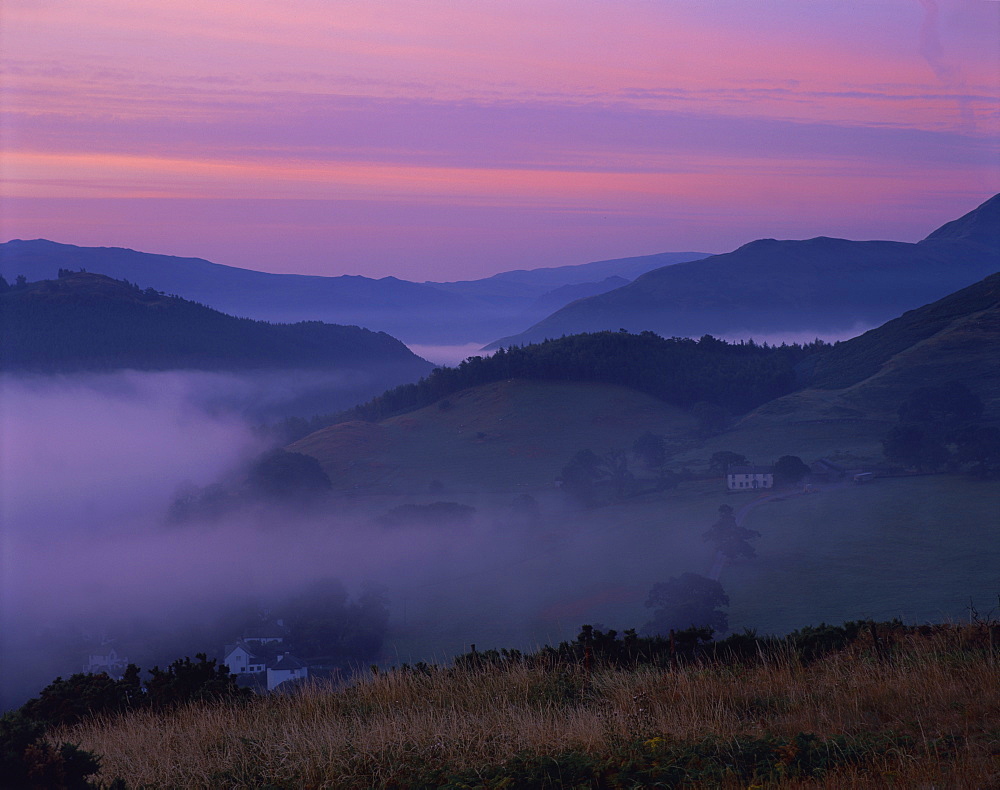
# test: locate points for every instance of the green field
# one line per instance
(914, 548)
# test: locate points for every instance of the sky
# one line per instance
(452, 139)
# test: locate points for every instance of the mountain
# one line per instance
(89, 321)
(535, 282)
(445, 313)
(820, 285)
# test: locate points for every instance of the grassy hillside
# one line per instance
(926, 717)
(499, 436)
(856, 387)
(971, 317)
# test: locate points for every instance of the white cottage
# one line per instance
(286, 667)
(241, 660)
(748, 478)
(108, 662)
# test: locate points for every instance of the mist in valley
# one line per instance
(93, 463)
(97, 552)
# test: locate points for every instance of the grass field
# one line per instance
(926, 718)
(914, 548)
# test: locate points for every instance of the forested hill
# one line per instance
(735, 377)
(84, 321)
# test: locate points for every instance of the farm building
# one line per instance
(241, 659)
(747, 478)
(286, 667)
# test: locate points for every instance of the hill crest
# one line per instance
(824, 285)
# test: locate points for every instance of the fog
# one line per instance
(92, 552)
(448, 355)
(90, 465)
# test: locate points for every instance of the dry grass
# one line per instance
(941, 703)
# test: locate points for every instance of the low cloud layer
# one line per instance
(90, 466)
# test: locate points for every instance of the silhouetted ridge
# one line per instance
(772, 287)
(979, 226)
(85, 321)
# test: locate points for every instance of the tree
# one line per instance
(722, 460)
(64, 703)
(915, 446)
(579, 475)
(614, 466)
(729, 537)
(790, 469)
(979, 448)
(189, 681)
(686, 601)
(280, 474)
(29, 759)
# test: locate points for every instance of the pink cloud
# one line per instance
(630, 110)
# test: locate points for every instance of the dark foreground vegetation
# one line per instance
(862, 705)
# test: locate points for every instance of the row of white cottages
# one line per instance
(744, 478)
(242, 660)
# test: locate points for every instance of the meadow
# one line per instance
(920, 711)
(918, 549)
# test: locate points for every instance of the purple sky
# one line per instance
(448, 140)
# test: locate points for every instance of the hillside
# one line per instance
(849, 394)
(502, 435)
(85, 321)
(817, 401)
(683, 372)
(952, 339)
(448, 313)
(820, 285)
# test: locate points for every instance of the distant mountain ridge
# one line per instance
(821, 285)
(86, 321)
(443, 313)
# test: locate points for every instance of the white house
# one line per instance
(241, 660)
(109, 662)
(286, 667)
(748, 478)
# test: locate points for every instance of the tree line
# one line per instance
(709, 376)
